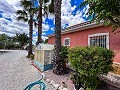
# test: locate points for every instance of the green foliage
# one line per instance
(64, 53)
(104, 10)
(22, 39)
(46, 41)
(26, 14)
(27, 11)
(32, 56)
(6, 42)
(51, 7)
(89, 63)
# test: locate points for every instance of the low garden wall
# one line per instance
(113, 81)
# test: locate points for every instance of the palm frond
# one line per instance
(83, 4)
(46, 1)
(36, 10)
(46, 10)
(51, 7)
(35, 24)
(22, 18)
(26, 4)
(22, 13)
(32, 11)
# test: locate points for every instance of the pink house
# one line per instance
(87, 34)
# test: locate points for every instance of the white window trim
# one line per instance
(99, 34)
(64, 41)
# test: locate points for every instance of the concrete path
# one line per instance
(16, 72)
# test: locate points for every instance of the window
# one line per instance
(67, 41)
(100, 39)
(47, 57)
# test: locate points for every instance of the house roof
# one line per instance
(78, 27)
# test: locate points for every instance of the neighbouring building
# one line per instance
(87, 34)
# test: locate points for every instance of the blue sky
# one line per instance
(71, 15)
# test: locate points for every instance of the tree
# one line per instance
(22, 39)
(3, 40)
(58, 63)
(27, 15)
(104, 10)
(43, 7)
(6, 42)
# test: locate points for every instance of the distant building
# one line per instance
(87, 34)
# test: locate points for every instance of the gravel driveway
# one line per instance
(15, 70)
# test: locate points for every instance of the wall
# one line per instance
(80, 38)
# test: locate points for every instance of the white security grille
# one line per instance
(100, 39)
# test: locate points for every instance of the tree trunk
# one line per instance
(58, 63)
(39, 25)
(30, 35)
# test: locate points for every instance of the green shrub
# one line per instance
(64, 56)
(32, 56)
(64, 53)
(89, 63)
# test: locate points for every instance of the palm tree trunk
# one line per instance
(39, 25)
(30, 35)
(58, 66)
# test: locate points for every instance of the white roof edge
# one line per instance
(79, 27)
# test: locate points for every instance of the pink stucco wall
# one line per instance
(80, 38)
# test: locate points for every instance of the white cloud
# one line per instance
(67, 16)
(45, 27)
(9, 7)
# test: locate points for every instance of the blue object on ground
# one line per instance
(39, 82)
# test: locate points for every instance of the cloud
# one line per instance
(8, 22)
(70, 15)
(10, 26)
(9, 6)
(45, 27)
(67, 14)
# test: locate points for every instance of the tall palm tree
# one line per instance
(58, 63)
(43, 7)
(40, 22)
(27, 15)
(54, 7)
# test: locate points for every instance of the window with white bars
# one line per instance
(67, 42)
(100, 39)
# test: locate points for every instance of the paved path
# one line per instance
(16, 72)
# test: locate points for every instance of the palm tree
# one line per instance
(43, 6)
(22, 39)
(58, 63)
(27, 15)
(54, 7)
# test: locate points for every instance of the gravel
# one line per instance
(16, 72)
(59, 79)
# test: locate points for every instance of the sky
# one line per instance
(70, 15)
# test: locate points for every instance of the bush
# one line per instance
(64, 56)
(32, 56)
(89, 63)
(64, 53)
